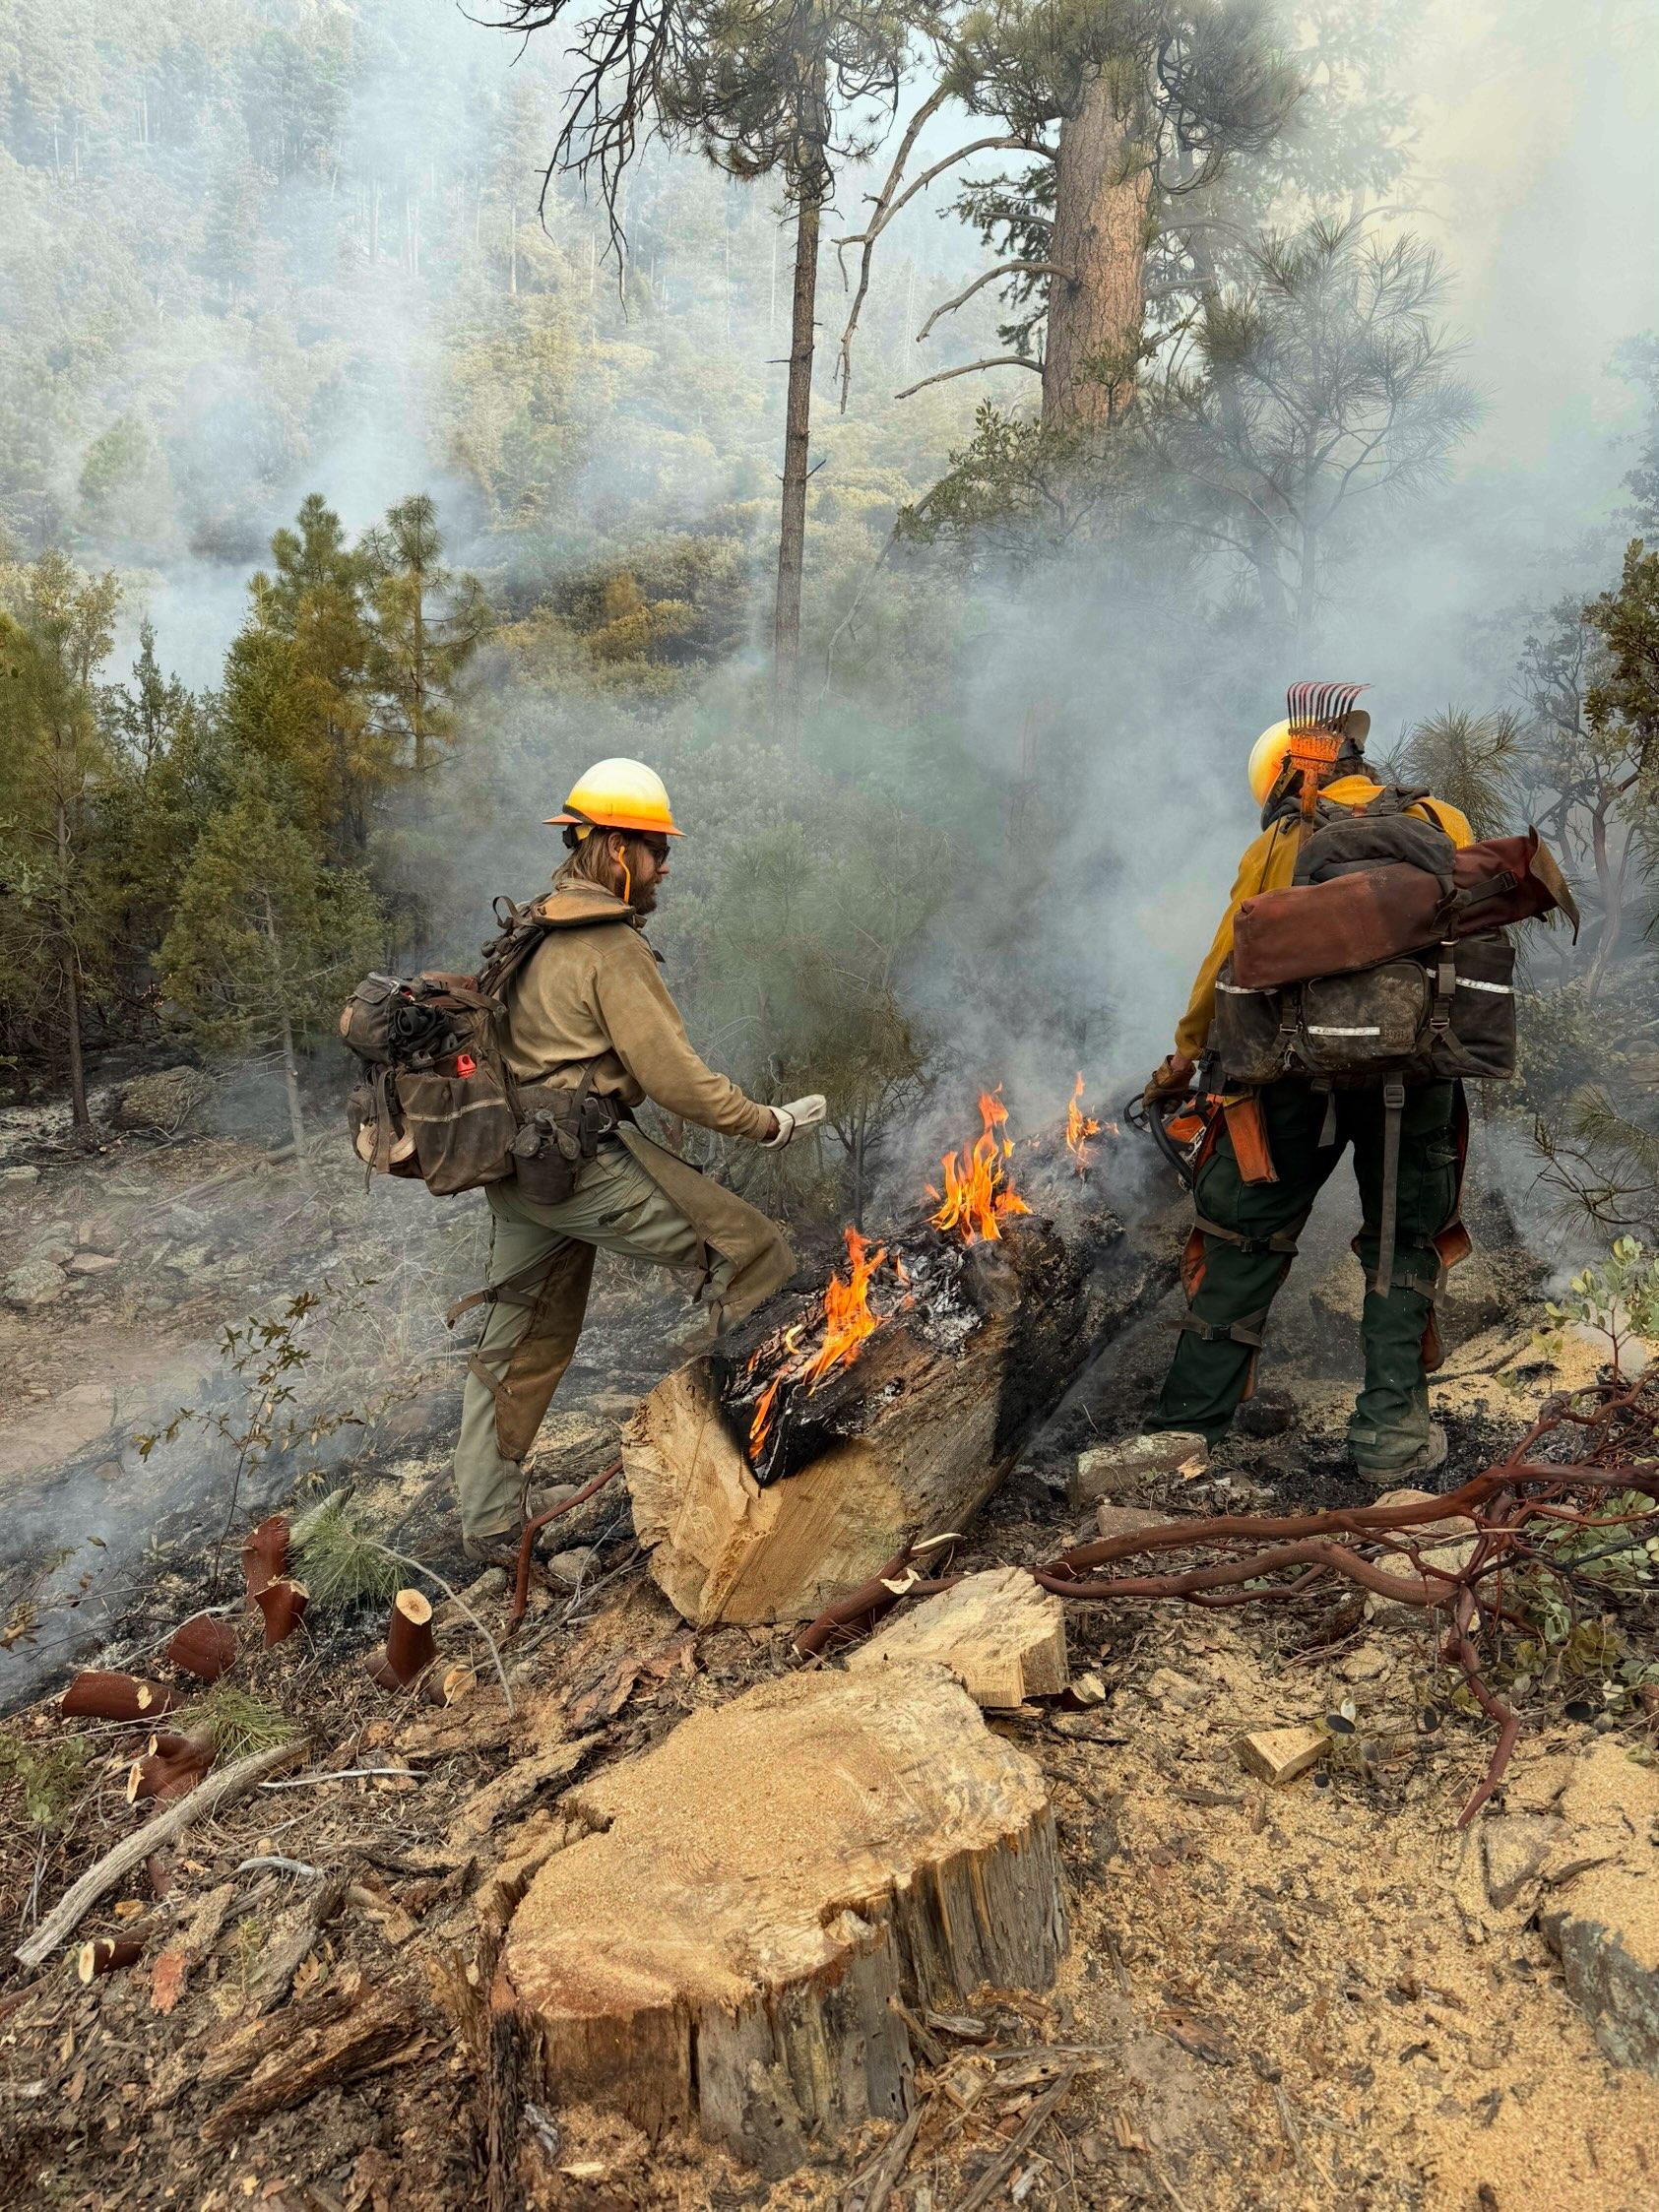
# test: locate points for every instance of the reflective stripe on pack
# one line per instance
(1498, 990)
(1316, 1029)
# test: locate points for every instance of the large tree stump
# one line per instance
(975, 1348)
(726, 1947)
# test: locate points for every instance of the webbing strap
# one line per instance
(508, 1292)
(1282, 1240)
(1427, 1283)
(1327, 1127)
(1248, 1331)
(1393, 1107)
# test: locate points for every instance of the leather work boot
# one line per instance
(500, 1547)
(1387, 1460)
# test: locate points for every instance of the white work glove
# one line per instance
(798, 1114)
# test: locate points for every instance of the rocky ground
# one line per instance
(1314, 1993)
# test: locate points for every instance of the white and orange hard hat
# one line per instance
(1321, 718)
(617, 795)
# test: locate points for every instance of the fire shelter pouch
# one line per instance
(463, 1128)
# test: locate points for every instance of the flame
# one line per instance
(848, 1318)
(1079, 1128)
(978, 1196)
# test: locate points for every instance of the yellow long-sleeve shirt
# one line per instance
(1268, 864)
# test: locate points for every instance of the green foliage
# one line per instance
(266, 938)
(50, 1776)
(341, 1563)
(239, 1722)
(1619, 1301)
(1474, 762)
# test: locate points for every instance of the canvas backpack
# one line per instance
(1386, 961)
(437, 1099)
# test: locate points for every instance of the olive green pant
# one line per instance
(616, 1208)
(1248, 1238)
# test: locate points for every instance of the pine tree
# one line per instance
(55, 774)
(428, 624)
(266, 939)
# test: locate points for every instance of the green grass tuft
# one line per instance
(52, 1775)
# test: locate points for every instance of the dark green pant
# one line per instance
(1250, 1227)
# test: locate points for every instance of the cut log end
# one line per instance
(265, 1554)
(107, 1954)
(204, 1647)
(732, 1942)
(1001, 1636)
(99, 1697)
(284, 1603)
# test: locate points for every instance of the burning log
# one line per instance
(96, 1696)
(409, 1647)
(284, 1603)
(265, 1554)
(106, 1954)
(205, 1647)
(809, 1445)
(877, 1851)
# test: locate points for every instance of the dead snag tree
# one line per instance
(781, 88)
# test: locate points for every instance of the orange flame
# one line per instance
(978, 1196)
(849, 1319)
(1079, 1128)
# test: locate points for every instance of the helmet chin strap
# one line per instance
(627, 876)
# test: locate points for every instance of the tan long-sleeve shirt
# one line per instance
(590, 993)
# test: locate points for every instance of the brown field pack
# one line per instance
(437, 1099)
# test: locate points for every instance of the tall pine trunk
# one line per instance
(69, 976)
(1098, 240)
(797, 442)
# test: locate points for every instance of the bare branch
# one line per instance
(1004, 269)
(844, 366)
(962, 154)
(969, 368)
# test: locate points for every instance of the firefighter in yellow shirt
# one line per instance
(1274, 1150)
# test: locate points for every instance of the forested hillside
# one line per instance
(288, 300)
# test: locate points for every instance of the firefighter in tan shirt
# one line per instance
(590, 1005)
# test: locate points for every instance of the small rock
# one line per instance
(1127, 1520)
(1134, 1466)
(1267, 1413)
(110, 1470)
(93, 1263)
(1602, 1920)
(572, 1567)
(1279, 1754)
(1516, 1847)
(54, 1243)
(19, 1178)
(1449, 1556)
(38, 1282)
(1363, 1665)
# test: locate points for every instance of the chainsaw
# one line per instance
(1180, 1126)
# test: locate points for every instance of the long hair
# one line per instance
(589, 862)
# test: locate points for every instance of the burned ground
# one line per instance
(1305, 1995)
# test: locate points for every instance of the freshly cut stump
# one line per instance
(726, 1947)
(1001, 1636)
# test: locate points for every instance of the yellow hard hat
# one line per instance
(1267, 760)
(618, 794)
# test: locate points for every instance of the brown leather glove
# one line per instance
(1171, 1078)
